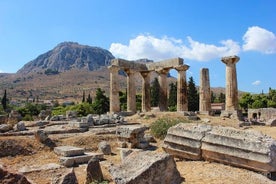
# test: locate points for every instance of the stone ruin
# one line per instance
(264, 116)
(144, 69)
(242, 148)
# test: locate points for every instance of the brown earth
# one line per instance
(36, 154)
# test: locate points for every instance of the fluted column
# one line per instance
(182, 98)
(204, 92)
(114, 89)
(145, 91)
(231, 93)
(131, 91)
(163, 95)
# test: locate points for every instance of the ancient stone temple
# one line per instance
(204, 92)
(231, 88)
(162, 68)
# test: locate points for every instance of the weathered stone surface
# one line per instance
(20, 126)
(42, 137)
(44, 113)
(81, 159)
(68, 177)
(271, 122)
(5, 128)
(132, 134)
(184, 140)
(35, 168)
(263, 114)
(68, 151)
(104, 147)
(204, 92)
(71, 114)
(3, 119)
(243, 148)
(124, 152)
(7, 177)
(93, 171)
(247, 149)
(77, 124)
(146, 167)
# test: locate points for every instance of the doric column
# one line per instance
(163, 96)
(182, 99)
(114, 89)
(231, 93)
(145, 91)
(204, 92)
(131, 91)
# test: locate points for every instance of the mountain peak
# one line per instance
(69, 55)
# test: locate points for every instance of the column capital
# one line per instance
(129, 71)
(113, 68)
(228, 60)
(182, 67)
(163, 70)
(144, 73)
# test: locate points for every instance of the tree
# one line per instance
(154, 92)
(221, 98)
(89, 99)
(246, 101)
(172, 97)
(4, 101)
(101, 102)
(193, 96)
(83, 96)
(123, 100)
(213, 97)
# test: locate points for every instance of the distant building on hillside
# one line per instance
(217, 107)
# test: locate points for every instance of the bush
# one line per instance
(160, 127)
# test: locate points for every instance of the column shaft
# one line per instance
(182, 98)
(163, 95)
(114, 89)
(146, 91)
(131, 91)
(204, 92)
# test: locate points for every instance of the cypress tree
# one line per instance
(154, 92)
(193, 96)
(4, 100)
(172, 96)
(89, 99)
(83, 96)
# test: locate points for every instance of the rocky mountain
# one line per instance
(66, 56)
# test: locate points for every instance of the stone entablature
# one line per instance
(161, 68)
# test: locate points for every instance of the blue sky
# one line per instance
(200, 31)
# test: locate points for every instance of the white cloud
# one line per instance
(148, 46)
(259, 39)
(256, 83)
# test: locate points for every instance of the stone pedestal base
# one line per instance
(232, 114)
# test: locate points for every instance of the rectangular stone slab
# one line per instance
(81, 159)
(184, 140)
(68, 151)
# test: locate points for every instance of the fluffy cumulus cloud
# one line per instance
(148, 46)
(256, 83)
(259, 39)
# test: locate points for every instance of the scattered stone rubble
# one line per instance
(132, 136)
(146, 167)
(72, 156)
(242, 148)
(7, 177)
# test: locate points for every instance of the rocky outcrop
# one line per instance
(242, 148)
(146, 167)
(7, 177)
(66, 56)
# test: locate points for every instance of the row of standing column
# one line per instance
(182, 103)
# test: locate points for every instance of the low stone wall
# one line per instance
(265, 113)
(242, 148)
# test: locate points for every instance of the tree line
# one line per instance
(100, 104)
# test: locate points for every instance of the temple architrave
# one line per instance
(161, 68)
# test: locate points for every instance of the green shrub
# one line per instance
(160, 127)
(28, 117)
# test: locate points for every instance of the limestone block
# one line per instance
(20, 126)
(7, 177)
(93, 171)
(5, 128)
(68, 151)
(184, 140)
(146, 167)
(69, 177)
(248, 149)
(271, 122)
(78, 124)
(81, 159)
(105, 148)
